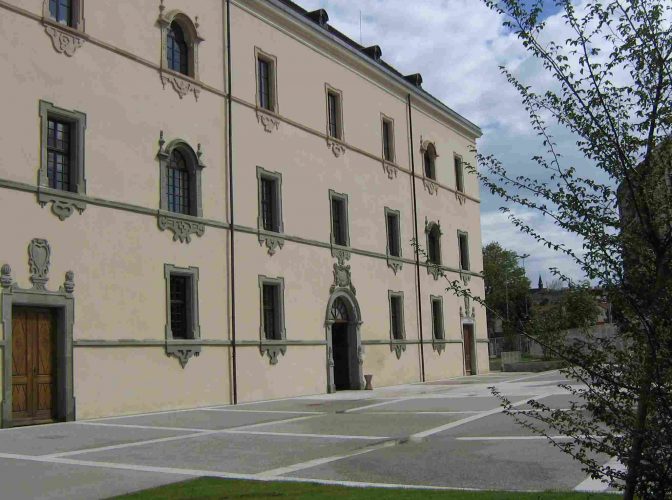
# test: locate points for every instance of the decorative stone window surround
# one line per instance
(336, 144)
(273, 240)
(393, 262)
(433, 269)
(438, 341)
(342, 253)
(430, 184)
(272, 348)
(460, 194)
(398, 346)
(269, 119)
(465, 273)
(183, 349)
(389, 166)
(66, 39)
(182, 84)
(182, 226)
(63, 206)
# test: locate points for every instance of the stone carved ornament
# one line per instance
(39, 262)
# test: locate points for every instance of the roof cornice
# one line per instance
(359, 61)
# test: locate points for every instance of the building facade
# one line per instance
(214, 202)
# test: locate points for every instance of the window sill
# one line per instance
(183, 227)
(268, 119)
(272, 240)
(182, 349)
(181, 83)
(337, 145)
(64, 203)
(66, 40)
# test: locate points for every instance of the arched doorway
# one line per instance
(344, 366)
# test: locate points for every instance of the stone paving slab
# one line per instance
(496, 425)
(236, 453)
(308, 405)
(363, 424)
(518, 465)
(28, 480)
(201, 419)
(47, 439)
(441, 404)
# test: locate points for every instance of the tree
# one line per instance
(575, 309)
(506, 286)
(611, 88)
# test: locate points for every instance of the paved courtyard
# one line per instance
(448, 434)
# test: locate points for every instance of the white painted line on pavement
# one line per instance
(376, 405)
(526, 377)
(512, 438)
(232, 475)
(457, 423)
(321, 461)
(596, 485)
(411, 412)
(234, 410)
(298, 434)
(172, 438)
(150, 427)
(126, 445)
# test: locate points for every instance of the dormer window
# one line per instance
(177, 50)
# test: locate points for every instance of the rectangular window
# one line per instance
(393, 234)
(459, 175)
(271, 296)
(339, 220)
(463, 244)
(179, 306)
(437, 318)
(334, 114)
(269, 204)
(397, 316)
(265, 68)
(388, 140)
(59, 146)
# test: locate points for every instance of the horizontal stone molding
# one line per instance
(128, 207)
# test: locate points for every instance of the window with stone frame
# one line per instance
(437, 318)
(388, 139)
(463, 248)
(392, 221)
(429, 161)
(61, 11)
(334, 114)
(180, 176)
(397, 329)
(434, 245)
(459, 174)
(177, 49)
(339, 219)
(272, 308)
(182, 303)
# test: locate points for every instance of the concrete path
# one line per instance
(449, 434)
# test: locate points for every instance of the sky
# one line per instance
(458, 46)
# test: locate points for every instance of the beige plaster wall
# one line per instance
(140, 379)
(301, 371)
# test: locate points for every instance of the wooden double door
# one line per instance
(33, 366)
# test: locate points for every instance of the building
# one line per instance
(205, 205)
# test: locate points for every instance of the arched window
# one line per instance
(179, 185)
(339, 311)
(177, 49)
(429, 160)
(61, 11)
(434, 245)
